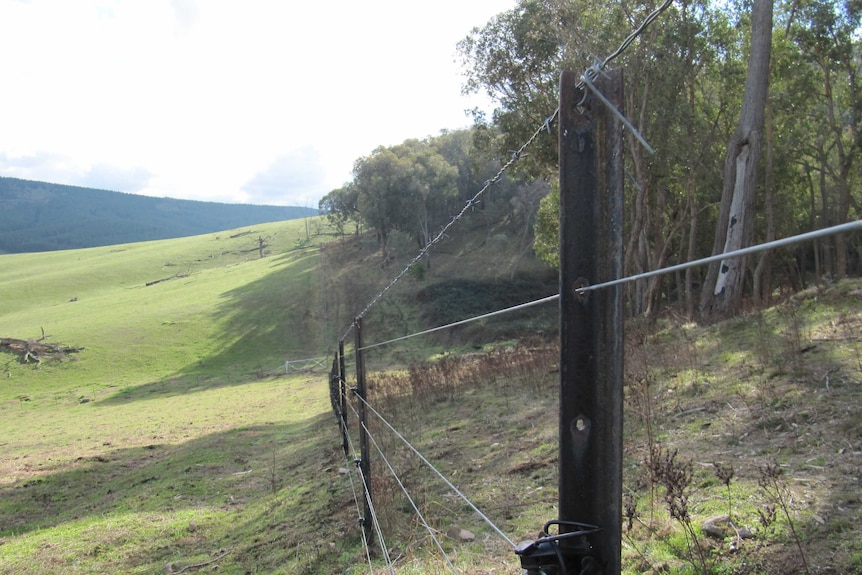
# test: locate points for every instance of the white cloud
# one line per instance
(293, 179)
(110, 177)
(201, 99)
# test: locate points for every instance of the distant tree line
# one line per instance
(417, 186)
(751, 106)
(38, 216)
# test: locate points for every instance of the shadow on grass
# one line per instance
(222, 470)
(265, 322)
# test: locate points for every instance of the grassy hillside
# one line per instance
(39, 217)
(169, 420)
(173, 442)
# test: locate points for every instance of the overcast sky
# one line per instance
(257, 101)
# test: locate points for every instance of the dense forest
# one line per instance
(754, 110)
(38, 217)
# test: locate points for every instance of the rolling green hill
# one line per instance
(167, 437)
(38, 217)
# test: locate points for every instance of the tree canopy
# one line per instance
(685, 92)
(685, 80)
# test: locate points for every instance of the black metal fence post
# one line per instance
(365, 460)
(342, 400)
(591, 323)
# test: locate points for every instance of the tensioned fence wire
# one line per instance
(465, 321)
(808, 236)
(439, 474)
(368, 500)
(365, 546)
(784, 242)
(590, 74)
(409, 498)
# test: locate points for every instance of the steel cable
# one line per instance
(431, 466)
(410, 499)
(368, 499)
(356, 498)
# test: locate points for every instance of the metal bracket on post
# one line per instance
(545, 556)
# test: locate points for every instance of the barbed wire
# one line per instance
(593, 71)
(516, 155)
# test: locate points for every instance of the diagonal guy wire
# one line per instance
(613, 109)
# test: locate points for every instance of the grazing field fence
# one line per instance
(363, 404)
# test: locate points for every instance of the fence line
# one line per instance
(792, 240)
(585, 84)
(365, 545)
(431, 466)
(410, 499)
(374, 520)
(464, 321)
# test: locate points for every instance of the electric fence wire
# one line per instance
(347, 461)
(410, 499)
(464, 321)
(374, 521)
(431, 466)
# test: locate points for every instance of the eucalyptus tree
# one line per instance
(340, 207)
(406, 187)
(735, 227)
(432, 184)
(382, 179)
(676, 97)
(826, 33)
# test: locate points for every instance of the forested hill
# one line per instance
(38, 216)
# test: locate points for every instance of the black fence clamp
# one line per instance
(569, 553)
